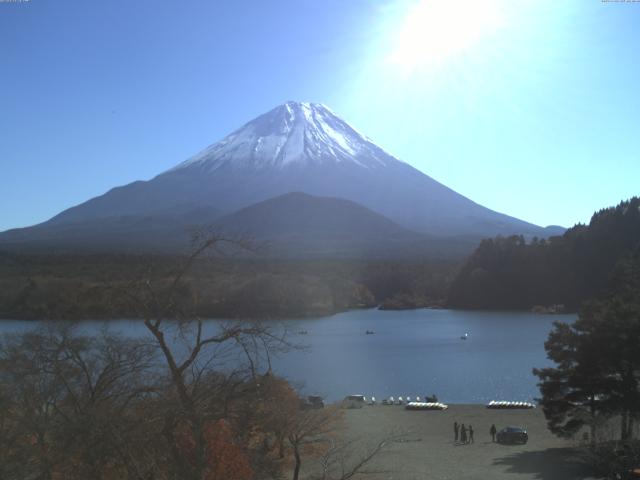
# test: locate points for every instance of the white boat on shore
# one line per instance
(510, 405)
(426, 406)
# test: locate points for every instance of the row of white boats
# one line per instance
(510, 405)
(431, 403)
(426, 406)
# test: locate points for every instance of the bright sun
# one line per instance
(434, 30)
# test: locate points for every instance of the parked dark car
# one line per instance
(315, 401)
(512, 435)
(311, 402)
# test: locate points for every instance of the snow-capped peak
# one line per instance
(290, 134)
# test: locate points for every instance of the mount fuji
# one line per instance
(296, 147)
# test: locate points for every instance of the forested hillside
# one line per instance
(96, 286)
(510, 273)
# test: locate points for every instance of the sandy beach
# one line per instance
(428, 450)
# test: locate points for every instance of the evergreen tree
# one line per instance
(510, 273)
(597, 373)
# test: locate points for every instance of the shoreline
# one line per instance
(428, 449)
(285, 318)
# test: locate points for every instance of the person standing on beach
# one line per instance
(470, 434)
(463, 434)
(492, 432)
(456, 429)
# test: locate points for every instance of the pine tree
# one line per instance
(597, 372)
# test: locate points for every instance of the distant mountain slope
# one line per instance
(511, 273)
(298, 224)
(302, 214)
(292, 225)
(307, 148)
(126, 233)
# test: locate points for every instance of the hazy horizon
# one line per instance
(529, 110)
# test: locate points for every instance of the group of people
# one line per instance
(464, 434)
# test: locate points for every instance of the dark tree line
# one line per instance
(81, 286)
(511, 273)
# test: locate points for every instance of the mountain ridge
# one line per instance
(297, 224)
(293, 225)
(297, 147)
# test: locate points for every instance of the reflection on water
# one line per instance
(411, 352)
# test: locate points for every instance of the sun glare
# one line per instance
(435, 30)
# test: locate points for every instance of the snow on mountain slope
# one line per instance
(300, 147)
(295, 132)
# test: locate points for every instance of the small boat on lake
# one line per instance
(464, 337)
(370, 332)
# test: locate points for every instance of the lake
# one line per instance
(413, 352)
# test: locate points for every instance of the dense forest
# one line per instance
(96, 286)
(511, 273)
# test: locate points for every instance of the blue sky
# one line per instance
(533, 111)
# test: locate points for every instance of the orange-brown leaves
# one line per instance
(226, 460)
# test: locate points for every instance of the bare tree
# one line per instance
(308, 429)
(321, 436)
(190, 400)
(346, 458)
(68, 404)
(210, 366)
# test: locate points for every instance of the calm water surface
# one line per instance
(413, 352)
